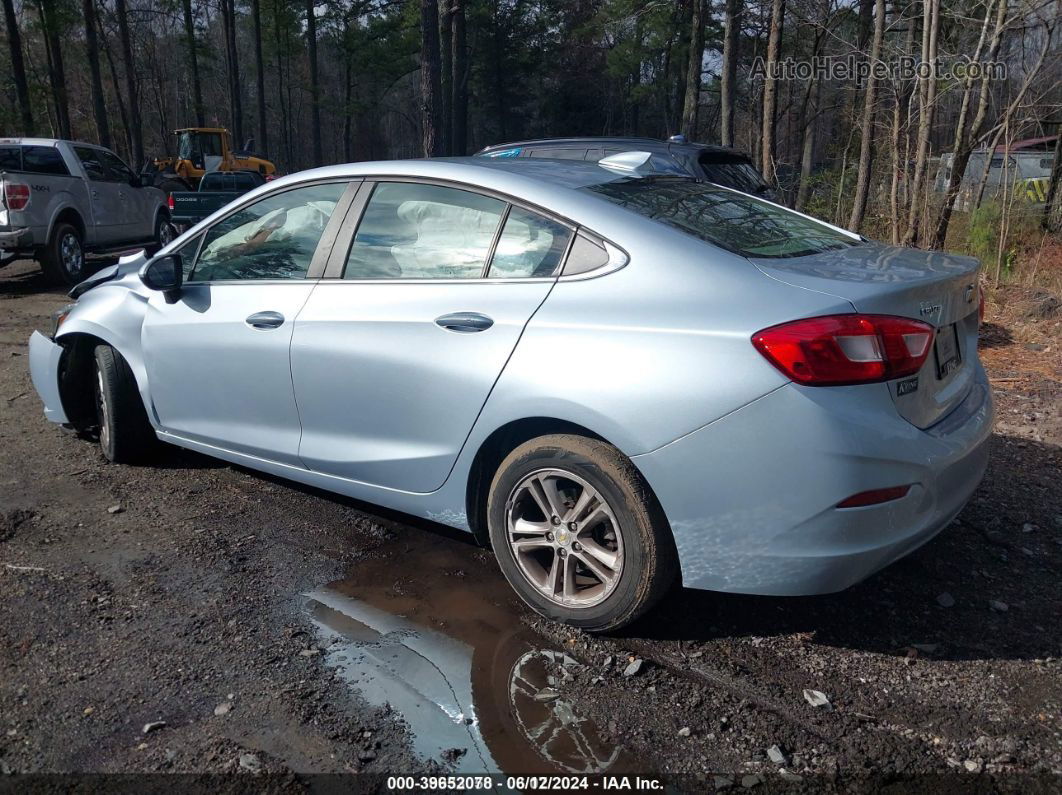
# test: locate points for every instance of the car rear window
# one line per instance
(43, 160)
(733, 171)
(734, 221)
(10, 158)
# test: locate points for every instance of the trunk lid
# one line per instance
(931, 286)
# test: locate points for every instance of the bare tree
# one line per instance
(315, 80)
(732, 28)
(927, 104)
(1052, 220)
(50, 17)
(866, 152)
(193, 61)
(966, 138)
(232, 57)
(691, 105)
(459, 116)
(92, 50)
(446, 68)
(430, 88)
(259, 66)
(18, 67)
(136, 132)
(770, 87)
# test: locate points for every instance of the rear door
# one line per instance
(393, 358)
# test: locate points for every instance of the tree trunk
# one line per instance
(136, 133)
(429, 77)
(732, 27)
(116, 87)
(259, 65)
(315, 81)
(863, 175)
(770, 87)
(193, 61)
(692, 103)
(965, 140)
(459, 117)
(807, 154)
(446, 57)
(1052, 220)
(927, 101)
(899, 160)
(18, 67)
(92, 49)
(56, 73)
(232, 55)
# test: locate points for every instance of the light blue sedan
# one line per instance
(620, 382)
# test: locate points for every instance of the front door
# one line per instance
(393, 361)
(218, 357)
(105, 196)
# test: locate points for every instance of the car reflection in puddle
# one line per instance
(449, 655)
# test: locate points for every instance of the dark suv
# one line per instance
(717, 164)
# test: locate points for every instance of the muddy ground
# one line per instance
(200, 617)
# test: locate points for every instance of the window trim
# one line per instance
(325, 244)
(337, 260)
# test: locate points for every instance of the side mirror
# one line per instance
(165, 274)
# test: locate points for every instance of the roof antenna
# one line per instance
(626, 162)
(677, 139)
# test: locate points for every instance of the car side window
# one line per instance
(417, 231)
(530, 246)
(91, 163)
(187, 252)
(118, 170)
(272, 238)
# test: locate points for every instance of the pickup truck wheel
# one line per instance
(63, 260)
(165, 233)
(126, 436)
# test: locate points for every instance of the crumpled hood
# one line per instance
(125, 266)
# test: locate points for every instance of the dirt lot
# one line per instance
(274, 628)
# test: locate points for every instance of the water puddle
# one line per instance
(434, 633)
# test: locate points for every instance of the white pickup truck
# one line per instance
(64, 201)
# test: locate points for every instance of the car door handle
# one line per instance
(464, 322)
(265, 320)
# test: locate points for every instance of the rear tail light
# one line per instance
(169, 201)
(16, 195)
(874, 497)
(846, 349)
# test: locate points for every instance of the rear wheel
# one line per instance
(126, 436)
(578, 533)
(165, 233)
(63, 258)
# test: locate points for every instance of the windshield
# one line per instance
(737, 222)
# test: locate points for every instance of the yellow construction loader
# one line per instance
(199, 150)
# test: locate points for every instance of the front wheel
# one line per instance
(126, 436)
(165, 233)
(578, 533)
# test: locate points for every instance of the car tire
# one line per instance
(126, 436)
(600, 575)
(63, 258)
(165, 233)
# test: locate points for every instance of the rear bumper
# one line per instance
(15, 238)
(751, 497)
(44, 356)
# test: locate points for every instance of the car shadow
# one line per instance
(993, 335)
(28, 282)
(1003, 549)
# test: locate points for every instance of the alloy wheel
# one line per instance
(71, 255)
(564, 538)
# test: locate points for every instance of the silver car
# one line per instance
(619, 382)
